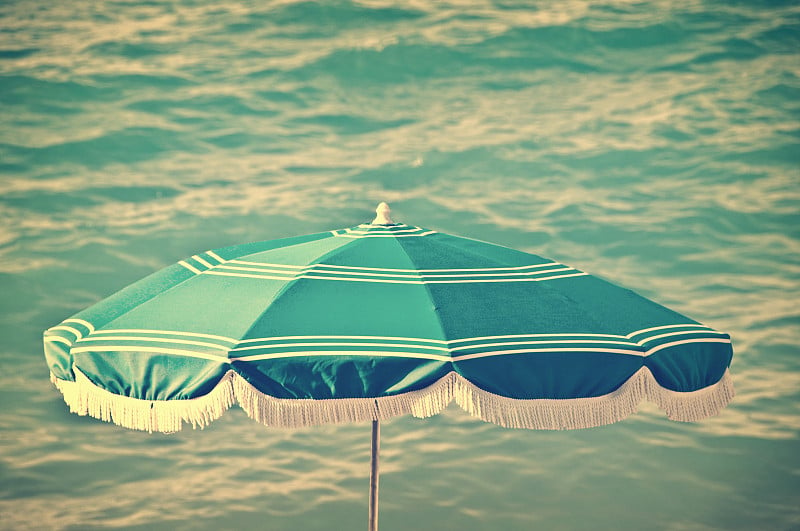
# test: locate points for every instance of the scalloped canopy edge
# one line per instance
(167, 416)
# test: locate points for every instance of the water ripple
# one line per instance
(654, 144)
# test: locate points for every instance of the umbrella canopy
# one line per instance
(380, 320)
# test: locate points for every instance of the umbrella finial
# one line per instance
(383, 212)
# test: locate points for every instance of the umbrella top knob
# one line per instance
(383, 218)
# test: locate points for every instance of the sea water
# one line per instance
(652, 143)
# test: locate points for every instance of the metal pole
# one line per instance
(373, 476)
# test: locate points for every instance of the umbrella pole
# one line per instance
(373, 476)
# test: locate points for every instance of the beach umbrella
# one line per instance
(380, 320)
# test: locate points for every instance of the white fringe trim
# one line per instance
(166, 416)
(85, 398)
(552, 414)
(693, 406)
(295, 413)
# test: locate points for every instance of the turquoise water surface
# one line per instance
(655, 143)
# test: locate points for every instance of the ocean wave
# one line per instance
(653, 144)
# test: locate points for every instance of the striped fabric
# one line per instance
(396, 230)
(247, 269)
(374, 321)
(227, 350)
